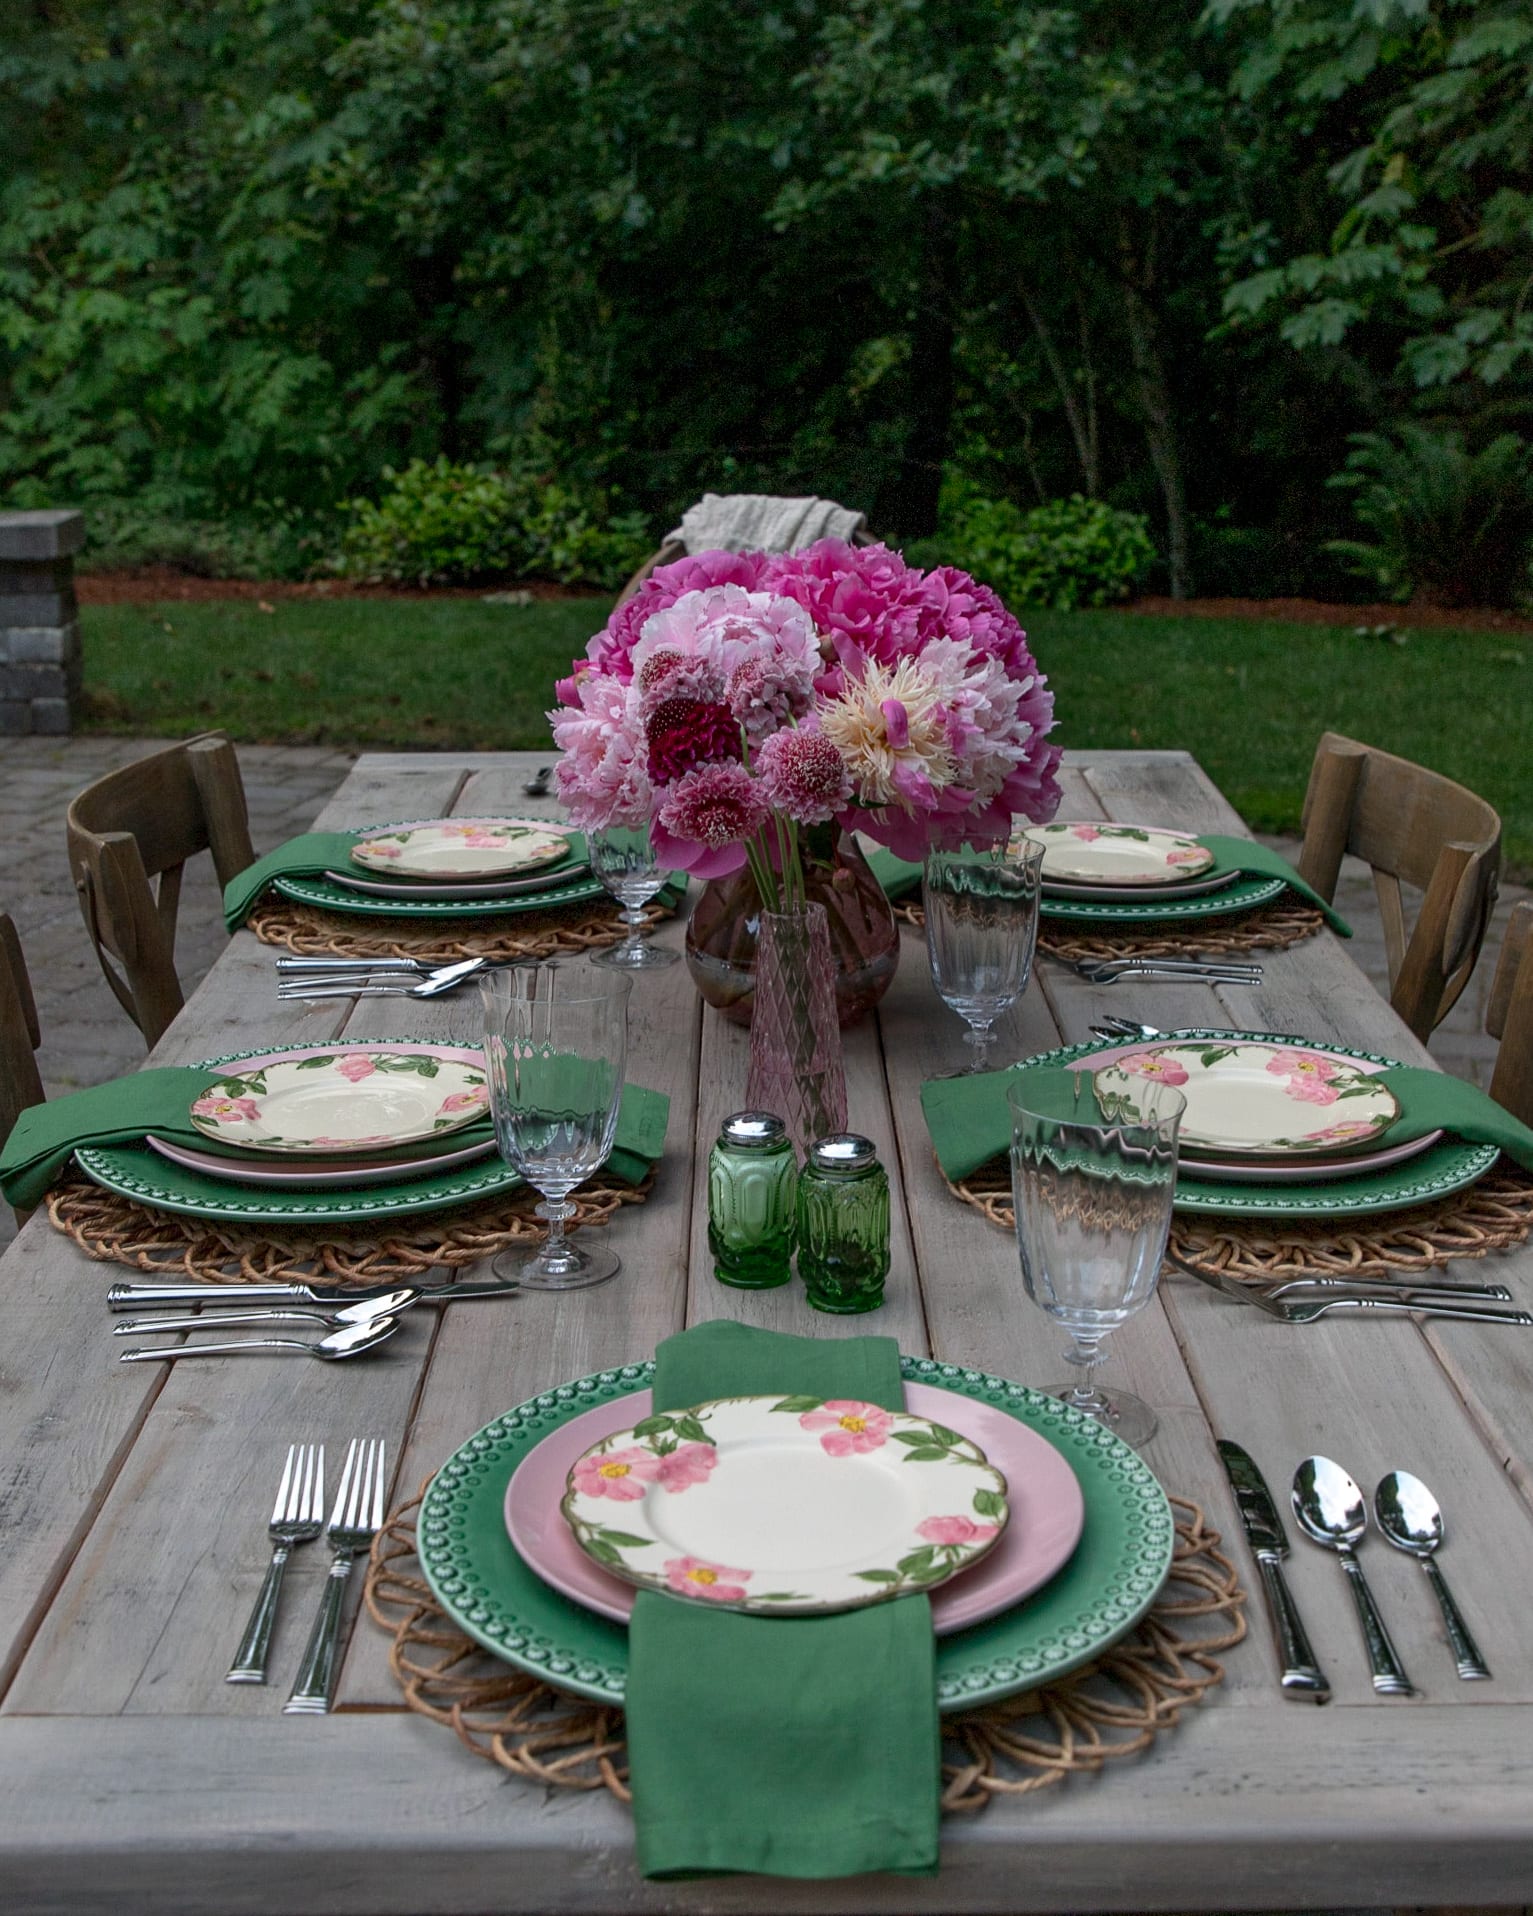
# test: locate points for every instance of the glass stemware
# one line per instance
(624, 860)
(1093, 1205)
(555, 1044)
(981, 929)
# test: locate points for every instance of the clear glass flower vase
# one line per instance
(796, 1067)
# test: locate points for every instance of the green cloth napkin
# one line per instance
(1231, 855)
(791, 1746)
(122, 1110)
(312, 854)
(970, 1121)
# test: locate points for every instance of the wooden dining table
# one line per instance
(132, 1777)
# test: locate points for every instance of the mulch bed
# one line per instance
(1317, 612)
(152, 585)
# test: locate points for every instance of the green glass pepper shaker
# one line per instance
(843, 1224)
(752, 1186)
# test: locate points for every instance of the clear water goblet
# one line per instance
(555, 1046)
(624, 860)
(1093, 1205)
(981, 931)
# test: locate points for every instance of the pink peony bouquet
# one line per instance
(738, 697)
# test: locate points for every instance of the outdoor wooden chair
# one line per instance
(144, 822)
(1419, 828)
(20, 1083)
(1509, 1017)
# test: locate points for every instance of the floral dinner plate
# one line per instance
(340, 1174)
(792, 1506)
(1274, 1099)
(460, 848)
(1047, 1510)
(1095, 852)
(344, 1098)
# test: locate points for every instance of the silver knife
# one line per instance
(1302, 1674)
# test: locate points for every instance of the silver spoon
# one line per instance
(1331, 1511)
(351, 1342)
(1408, 1515)
(364, 1312)
(371, 986)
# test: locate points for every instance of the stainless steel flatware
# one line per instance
(381, 984)
(298, 1517)
(1331, 1512)
(1114, 970)
(1302, 1675)
(1409, 1517)
(364, 1311)
(291, 967)
(138, 1297)
(353, 1341)
(1387, 1288)
(355, 1520)
(537, 786)
(1127, 1028)
(1400, 1301)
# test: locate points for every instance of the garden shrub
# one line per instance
(440, 524)
(1069, 553)
(1449, 526)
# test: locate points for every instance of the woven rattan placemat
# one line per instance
(1114, 1707)
(112, 1229)
(1269, 928)
(1494, 1215)
(309, 932)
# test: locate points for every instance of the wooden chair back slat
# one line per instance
(1509, 1017)
(1412, 827)
(142, 823)
(20, 1083)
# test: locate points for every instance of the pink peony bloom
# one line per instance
(684, 733)
(463, 1101)
(356, 1066)
(620, 1474)
(951, 1530)
(850, 1427)
(612, 648)
(769, 692)
(686, 1465)
(803, 776)
(693, 1577)
(227, 1110)
(603, 775)
(705, 819)
(1152, 1065)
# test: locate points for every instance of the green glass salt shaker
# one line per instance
(752, 1187)
(843, 1224)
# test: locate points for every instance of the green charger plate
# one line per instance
(1244, 895)
(1107, 1586)
(1450, 1165)
(325, 893)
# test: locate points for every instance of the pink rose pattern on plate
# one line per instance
(673, 1453)
(227, 1110)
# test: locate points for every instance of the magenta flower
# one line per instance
(686, 1465)
(803, 776)
(955, 1530)
(850, 1428)
(694, 1577)
(685, 733)
(620, 1474)
(705, 819)
(356, 1066)
(227, 1110)
(612, 648)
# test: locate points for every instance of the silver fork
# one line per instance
(354, 1522)
(1289, 1310)
(1109, 971)
(297, 1517)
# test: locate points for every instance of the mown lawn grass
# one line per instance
(1248, 698)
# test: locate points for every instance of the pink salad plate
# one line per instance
(353, 1171)
(1310, 1170)
(1047, 1510)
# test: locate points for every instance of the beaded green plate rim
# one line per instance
(1110, 1582)
(329, 896)
(1246, 894)
(1450, 1165)
(134, 1171)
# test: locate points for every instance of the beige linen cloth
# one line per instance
(760, 522)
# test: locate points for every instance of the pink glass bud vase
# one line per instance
(796, 1069)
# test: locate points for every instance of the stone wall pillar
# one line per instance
(39, 622)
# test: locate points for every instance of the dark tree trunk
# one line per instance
(1146, 349)
(907, 504)
(1082, 419)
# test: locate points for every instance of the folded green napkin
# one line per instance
(970, 1121)
(791, 1746)
(122, 1110)
(1238, 855)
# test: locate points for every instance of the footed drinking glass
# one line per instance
(624, 861)
(1093, 1205)
(981, 930)
(555, 1045)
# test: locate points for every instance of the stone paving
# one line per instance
(87, 1037)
